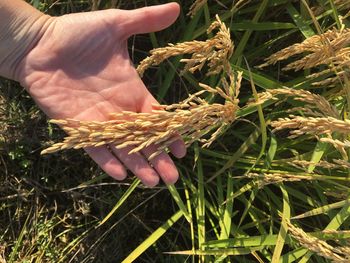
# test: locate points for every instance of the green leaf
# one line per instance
(282, 235)
(225, 224)
(339, 218)
(121, 201)
(322, 210)
(200, 209)
(272, 151)
(153, 237)
(319, 151)
(176, 196)
(244, 40)
(218, 252)
(300, 21)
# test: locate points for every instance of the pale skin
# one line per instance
(77, 66)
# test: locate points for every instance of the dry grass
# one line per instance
(215, 51)
(320, 247)
(191, 119)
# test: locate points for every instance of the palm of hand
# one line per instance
(81, 69)
(84, 65)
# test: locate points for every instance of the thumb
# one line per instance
(150, 19)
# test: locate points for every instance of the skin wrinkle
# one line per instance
(60, 76)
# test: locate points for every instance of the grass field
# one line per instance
(273, 187)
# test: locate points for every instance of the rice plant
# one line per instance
(263, 85)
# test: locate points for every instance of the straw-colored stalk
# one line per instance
(274, 178)
(215, 52)
(190, 119)
(317, 104)
(320, 247)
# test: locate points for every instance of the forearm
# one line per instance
(20, 28)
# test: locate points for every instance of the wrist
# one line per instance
(21, 27)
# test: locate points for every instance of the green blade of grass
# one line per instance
(258, 78)
(225, 224)
(218, 252)
(339, 218)
(121, 201)
(261, 26)
(335, 14)
(322, 210)
(303, 26)
(270, 240)
(243, 189)
(293, 255)
(153, 237)
(14, 253)
(189, 209)
(261, 116)
(229, 14)
(306, 257)
(271, 152)
(200, 210)
(248, 205)
(176, 196)
(282, 235)
(319, 151)
(244, 40)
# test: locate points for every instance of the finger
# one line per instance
(163, 165)
(150, 19)
(107, 161)
(178, 148)
(137, 165)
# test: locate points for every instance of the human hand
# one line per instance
(80, 69)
